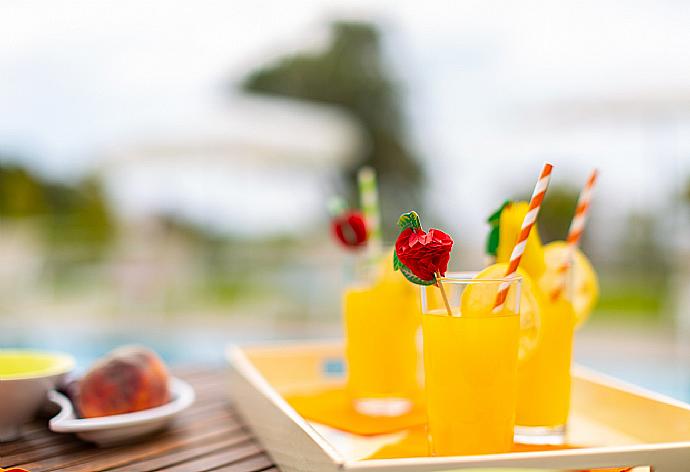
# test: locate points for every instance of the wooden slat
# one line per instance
(182, 455)
(257, 463)
(34, 443)
(39, 454)
(41, 443)
(223, 458)
(92, 458)
(208, 436)
(35, 430)
(133, 454)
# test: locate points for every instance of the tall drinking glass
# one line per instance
(381, 318)
(470, 361)
(544, 377)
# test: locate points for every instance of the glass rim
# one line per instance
(444, 313)
(468, 277)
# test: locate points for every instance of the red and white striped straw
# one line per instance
(577, 227)
(527, 224)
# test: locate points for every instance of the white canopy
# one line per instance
(261, 165)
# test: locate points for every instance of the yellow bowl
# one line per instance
(26, 376)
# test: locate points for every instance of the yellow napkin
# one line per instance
(333, 407)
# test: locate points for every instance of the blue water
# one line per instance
(669, 378)
(207, 347)
(181, 348)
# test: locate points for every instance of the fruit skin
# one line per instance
(130, 378)
(509, 228)
(420, 256)
(585, 283)
(350, 229)
(425, 254)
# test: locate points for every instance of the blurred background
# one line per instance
(165, 166)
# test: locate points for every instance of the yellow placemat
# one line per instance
(332, 407)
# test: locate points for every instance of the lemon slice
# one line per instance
(479, 299)
(585, 289)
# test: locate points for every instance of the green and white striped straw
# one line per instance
(369, 201)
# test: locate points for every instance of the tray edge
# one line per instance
(320, 453)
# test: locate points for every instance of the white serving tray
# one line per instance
(120, 429)
(617, 424)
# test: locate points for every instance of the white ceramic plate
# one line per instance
(120, 429)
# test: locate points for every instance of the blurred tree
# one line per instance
(351, 74)
(21, 193)
(557, 212)
(642, 248)
(74, 215)
(78, 215)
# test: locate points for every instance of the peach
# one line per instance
(128, 379)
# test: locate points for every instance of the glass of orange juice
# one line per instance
(470, 361)
(382, 316)
(544, 378)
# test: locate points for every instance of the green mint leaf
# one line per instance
(492, 241)
(494, 231)
(496, 216)
(397, 265)
(404, 270)
(409, 220)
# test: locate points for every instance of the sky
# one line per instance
(492, 88)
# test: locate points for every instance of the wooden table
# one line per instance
(208, 436)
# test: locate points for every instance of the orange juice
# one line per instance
(470, 363)
(381, 325)
(470, 366)
(544, 377)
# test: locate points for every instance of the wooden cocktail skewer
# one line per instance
(439, 284)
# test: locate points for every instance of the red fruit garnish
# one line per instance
(424, 254)
(350, 228)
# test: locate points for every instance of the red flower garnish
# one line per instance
(425, 254)
(350, 228)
